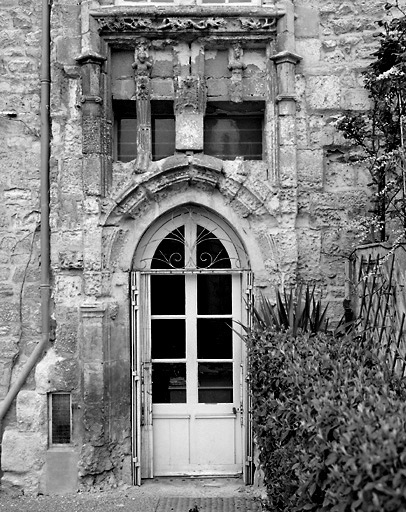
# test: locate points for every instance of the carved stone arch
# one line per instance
(180, 180)
(182, 171)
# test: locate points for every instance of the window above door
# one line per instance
(190, 238)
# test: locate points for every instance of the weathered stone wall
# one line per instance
(336, 41)
(19, 223)
(290, 209)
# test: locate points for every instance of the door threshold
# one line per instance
(205, 486)
(197, 476)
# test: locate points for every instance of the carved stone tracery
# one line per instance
(190, 95)
(194, 24)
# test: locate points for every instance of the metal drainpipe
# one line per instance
(45, 242)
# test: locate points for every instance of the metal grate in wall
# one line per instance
(60, 418)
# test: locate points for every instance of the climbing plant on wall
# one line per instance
(381, 131)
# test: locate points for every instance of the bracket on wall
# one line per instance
(91, 99)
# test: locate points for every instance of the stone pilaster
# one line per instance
(285, 63)
(93, 125)
(92, 358)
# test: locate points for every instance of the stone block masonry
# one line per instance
(19, 224)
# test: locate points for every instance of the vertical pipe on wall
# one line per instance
(45, 153)
(45, 242)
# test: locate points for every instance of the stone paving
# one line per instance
(208, 505)
(158, 495)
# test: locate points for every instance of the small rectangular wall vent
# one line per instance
(60, 418)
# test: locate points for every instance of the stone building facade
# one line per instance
(163, 115)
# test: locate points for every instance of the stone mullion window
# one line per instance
(144, 29)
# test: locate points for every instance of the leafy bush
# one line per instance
(329, 423)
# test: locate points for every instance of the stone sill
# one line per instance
(62, 448)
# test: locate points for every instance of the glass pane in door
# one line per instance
(167, 295)
(215, 381)
(168, 383)
(214, 294)
(214, 338)
(168, 338)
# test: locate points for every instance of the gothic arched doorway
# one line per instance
(190, 271)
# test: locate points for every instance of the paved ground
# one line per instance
(159, 495)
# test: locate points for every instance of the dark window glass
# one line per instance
(61, 418)
(170, 252)
(168, 338)
(167, 295)
(211, 253)
(229, 136)
(162, 129)
(168, 383)
(215, 381)
(163, 137)
(214, 338)
(126, 139)
(214, 294)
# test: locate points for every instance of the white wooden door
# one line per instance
(191, 266)
(196, 371)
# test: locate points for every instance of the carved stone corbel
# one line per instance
(236, 66)
(190, 95)
(142, 71)
(190, 106)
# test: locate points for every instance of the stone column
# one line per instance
(93, 137)
(142, 66)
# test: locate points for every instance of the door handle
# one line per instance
(234, 410)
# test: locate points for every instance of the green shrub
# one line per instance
(329, 423)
